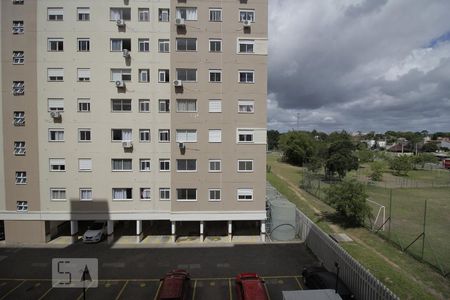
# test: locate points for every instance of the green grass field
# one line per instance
(404, 275)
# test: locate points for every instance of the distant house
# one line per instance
(445, 143)
(400, 148)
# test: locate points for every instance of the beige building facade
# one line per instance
(138, 111)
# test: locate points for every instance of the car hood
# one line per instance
(92, 233)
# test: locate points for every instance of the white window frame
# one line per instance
(55, 12)
(185, 44)
(186, 71)
(123, 132)
(214, 161)
(187, 193)
(84, 44)
(164, 132)
(59, 42)
(145, 194)
(246, 132)
(119, 13)
(81, 102)
(120, 162)
(164, 161)
(122, 189)
(59, 192)
(186, 161)
(245, 161)
(144, 136)
(19, 148)
(246, 42)
(215, 41)
(144, 75)
(121, 74)
(55, 74)
(145, 43)
(164, 75)
(56, 130)
(214, 135)
(164, 14)
(18, 57)
(164, 44)
(83, 14)
(122, 104)
(19, 118)
(18, 27)
(55, 104)
(247, 11)
(211, 19)
(111, 43)
(83, 131)
(18, 88)
(164, 103)
(244, 194)
(85, 164)
(145, 165)
(248, 72)
(246, 104)
(144, 105)
(22, 206)
(143, 14)
(83, 74)
(215, 106)
(185, 106)
(57, 165)
(164, 191)
(82, 194)
(215, 71)
(186, 136)
(182, 13)
(214, 191)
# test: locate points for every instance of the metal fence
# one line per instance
(360, 281)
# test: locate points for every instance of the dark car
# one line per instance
(175, 286)
(2, 231)
(249, 286)
(317, 278)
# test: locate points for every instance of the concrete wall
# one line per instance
(25, 232)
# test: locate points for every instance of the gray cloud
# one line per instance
(358, 65)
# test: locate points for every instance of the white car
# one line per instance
(95, 233)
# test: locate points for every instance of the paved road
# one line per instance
(25, 273)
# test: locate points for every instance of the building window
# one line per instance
(57, 194)
(55, 14)
(84, 135)
(163, 76)
(164, 14)
(85, 194)
(245, 165)
(55, 45)
(215, 15)
(144, 105)
(186, 44)
(187, 13)
(188, 75)
(144, 75)
(214, 195)
(57, 164)
(85, 164)
(215, 165)
(21, 177)
(164, 105)
(245, 136)
(22, 206)
(144, 135)
(246, 106)
(18, 27)
(144, 165)
(118, 45)
(163, 45)
(164, 135)
(246, 46)
(215, 106)
(215, 135)
(186, 136)
(121, 135)
(120, 74)
(18, 88)
(164, 194)
(55, 74)
(144, 45)
(120, 13)
(84, 14)
(215, 75)
(84, 74)
(121, 164)
(56, 135)
(143, 14)
(164, 165)
(186, 105)
(186, 194)
(246, 15)
(18, 2)
(84, 45)
(122, 194)
(145, 193)
(247, 76)
(19, 118)
(19, 148)
(245, 194)
(84, 104)
(121, 105)
(18, 57)
(55, 104)
(215, 45)
(186, 165)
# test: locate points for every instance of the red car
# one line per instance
(249, 286)
(175, 286)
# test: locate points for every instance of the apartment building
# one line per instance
(150, 112)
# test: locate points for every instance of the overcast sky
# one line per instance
(359, 65)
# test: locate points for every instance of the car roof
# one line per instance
(172, 286)
(254, 289)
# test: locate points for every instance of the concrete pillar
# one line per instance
(110, 230)
(202, 227)
(139, 233)
(74, 230)
(173, 231)
(263, 230)
(230, 230)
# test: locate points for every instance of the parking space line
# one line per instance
(157, 291)
(298, 282)
(121, 290)
(45, 294)
(193, 291)
(229, 289)
(12, 290)
(278, 277)
(87, 288)
(267, 291)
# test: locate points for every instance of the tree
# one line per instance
(423, 158)
(401, 165)
(349, 199)
(365, 156)
(377, 168)
(341, 159)
(273, 137)
(430, 147)
(297, 147)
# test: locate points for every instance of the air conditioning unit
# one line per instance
(127, 144)
(178, 83)
(126, 53)
(182, 145)
(120, 23)
(120, 84)
(55, 114)
(180, 22)
(247, 23)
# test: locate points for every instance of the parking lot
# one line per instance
(201, 288)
